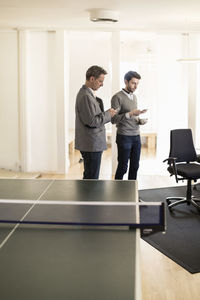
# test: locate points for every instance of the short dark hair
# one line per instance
(95, 71)
(131, 74)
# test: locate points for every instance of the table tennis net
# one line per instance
(143, 215)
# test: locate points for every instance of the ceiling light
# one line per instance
(101, 15)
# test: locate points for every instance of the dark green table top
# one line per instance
(68, 262)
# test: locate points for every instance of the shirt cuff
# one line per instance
(127, 115)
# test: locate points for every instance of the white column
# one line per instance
(115, 88)
(197, 144)
(193, 118)
(9, 100)
(192, 98)
(23, 153)
(62, 101)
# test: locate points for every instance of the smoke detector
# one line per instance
(101, 15)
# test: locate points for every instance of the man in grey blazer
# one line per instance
(90, 136)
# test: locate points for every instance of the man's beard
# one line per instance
(130, 90)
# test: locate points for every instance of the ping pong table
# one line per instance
(76, 260)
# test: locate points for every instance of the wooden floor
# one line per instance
(162, 279)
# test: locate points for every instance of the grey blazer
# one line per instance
(90, 133)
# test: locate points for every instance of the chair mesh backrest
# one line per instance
(182, 146)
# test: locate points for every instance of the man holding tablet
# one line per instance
(128, 122)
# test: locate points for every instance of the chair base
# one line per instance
(180, 200)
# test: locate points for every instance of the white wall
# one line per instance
(9, 110)
(46, 102)
(198, 110)
(41, 102)
(171, 87)
(163, 89)
(138, 53)
(193, 69)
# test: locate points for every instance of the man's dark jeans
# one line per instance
(129, 147)
(92, 162)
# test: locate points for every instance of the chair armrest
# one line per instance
(172, 162)
(170, 159)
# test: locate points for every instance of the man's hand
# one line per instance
(137, 112)
(143, 111)
(112, 112)
(143, 121)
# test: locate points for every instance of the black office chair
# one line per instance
(182, 164)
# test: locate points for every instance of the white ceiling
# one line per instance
(147, 15)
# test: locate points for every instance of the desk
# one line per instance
(149, 136)
(65, 262)
(151, 139)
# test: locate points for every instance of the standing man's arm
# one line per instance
(91, 116)
(115, 103)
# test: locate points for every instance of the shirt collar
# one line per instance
(90, 90)
(93, 92)
(127, 93)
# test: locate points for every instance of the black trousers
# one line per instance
(92, 162)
